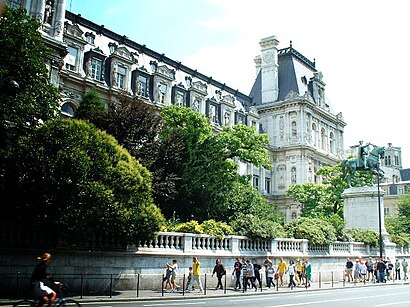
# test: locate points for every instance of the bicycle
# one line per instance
(59, 302)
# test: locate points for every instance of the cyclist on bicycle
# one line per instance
(45, 293)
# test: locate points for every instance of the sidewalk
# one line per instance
(132, 295)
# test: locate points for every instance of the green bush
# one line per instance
(400, 239)
(253, 227)
(216, 229)
(188, 227)
(317, 231)
(370, 237)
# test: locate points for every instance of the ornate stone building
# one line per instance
(287, 101)
(304, 134)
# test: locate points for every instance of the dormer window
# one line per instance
(90, 37)
(112, 47)
(71, 58)
(142, 86)
(162, 91)
(120, 76)
(96, 66)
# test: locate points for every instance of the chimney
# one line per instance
(269, 68)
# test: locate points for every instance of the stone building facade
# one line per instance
(288, 100)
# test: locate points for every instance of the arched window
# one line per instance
(68, 109)
(332, 142)
(293, 175)
(323, 138)
(314, 134)
(294, 215)
(294, 129)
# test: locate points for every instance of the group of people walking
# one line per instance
(246, 274)
(379, 270)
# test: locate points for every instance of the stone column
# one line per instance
(58, 19)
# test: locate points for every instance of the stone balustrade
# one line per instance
(200, 244)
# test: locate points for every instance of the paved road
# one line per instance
(376, 296)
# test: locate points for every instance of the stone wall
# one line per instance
(94, 271)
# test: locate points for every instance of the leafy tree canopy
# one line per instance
(23, 56)
(77, 181)
(209, 173)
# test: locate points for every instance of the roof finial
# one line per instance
(314, 62)
(290, 44)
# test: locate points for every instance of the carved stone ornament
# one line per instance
(72, 29)
(202, 87)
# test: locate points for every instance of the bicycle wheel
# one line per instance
(25, 303)
(69, 303)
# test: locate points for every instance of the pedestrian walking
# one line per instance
(349, 270)
(270, 273)
(308, 272)
(397, 269)
(381, 268)
(196, 273)
(220, 271)
(250, 275)
(174, 271)
(266, 265)
(404, 265)
(291, 270)
(257, 269)
(282, 268)
(237, 269)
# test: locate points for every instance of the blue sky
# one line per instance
(361, 47)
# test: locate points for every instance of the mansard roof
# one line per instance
(125, 41)
(294, 74)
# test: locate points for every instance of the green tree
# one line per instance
(323, 200)
(136, 126)
(317, 231)
(92, 106)
(23, 56)
(77, 181)
(209, 172)
(399, 226)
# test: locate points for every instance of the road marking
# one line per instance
(391, 304)
(176, 304)
(336, 300)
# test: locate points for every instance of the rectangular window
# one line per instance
(121, 73)
(71, 58)
(267, 185)
(256, 181)
(142, 86)
(162, 91)
(96, 65)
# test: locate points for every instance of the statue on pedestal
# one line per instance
(368, 159)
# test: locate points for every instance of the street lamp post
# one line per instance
(380, 212)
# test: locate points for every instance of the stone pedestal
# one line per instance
(361, 209)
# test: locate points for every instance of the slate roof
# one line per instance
(405, 174)
(292, 66)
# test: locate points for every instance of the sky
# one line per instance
(362, 47)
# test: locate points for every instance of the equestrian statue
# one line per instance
(368, 159)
